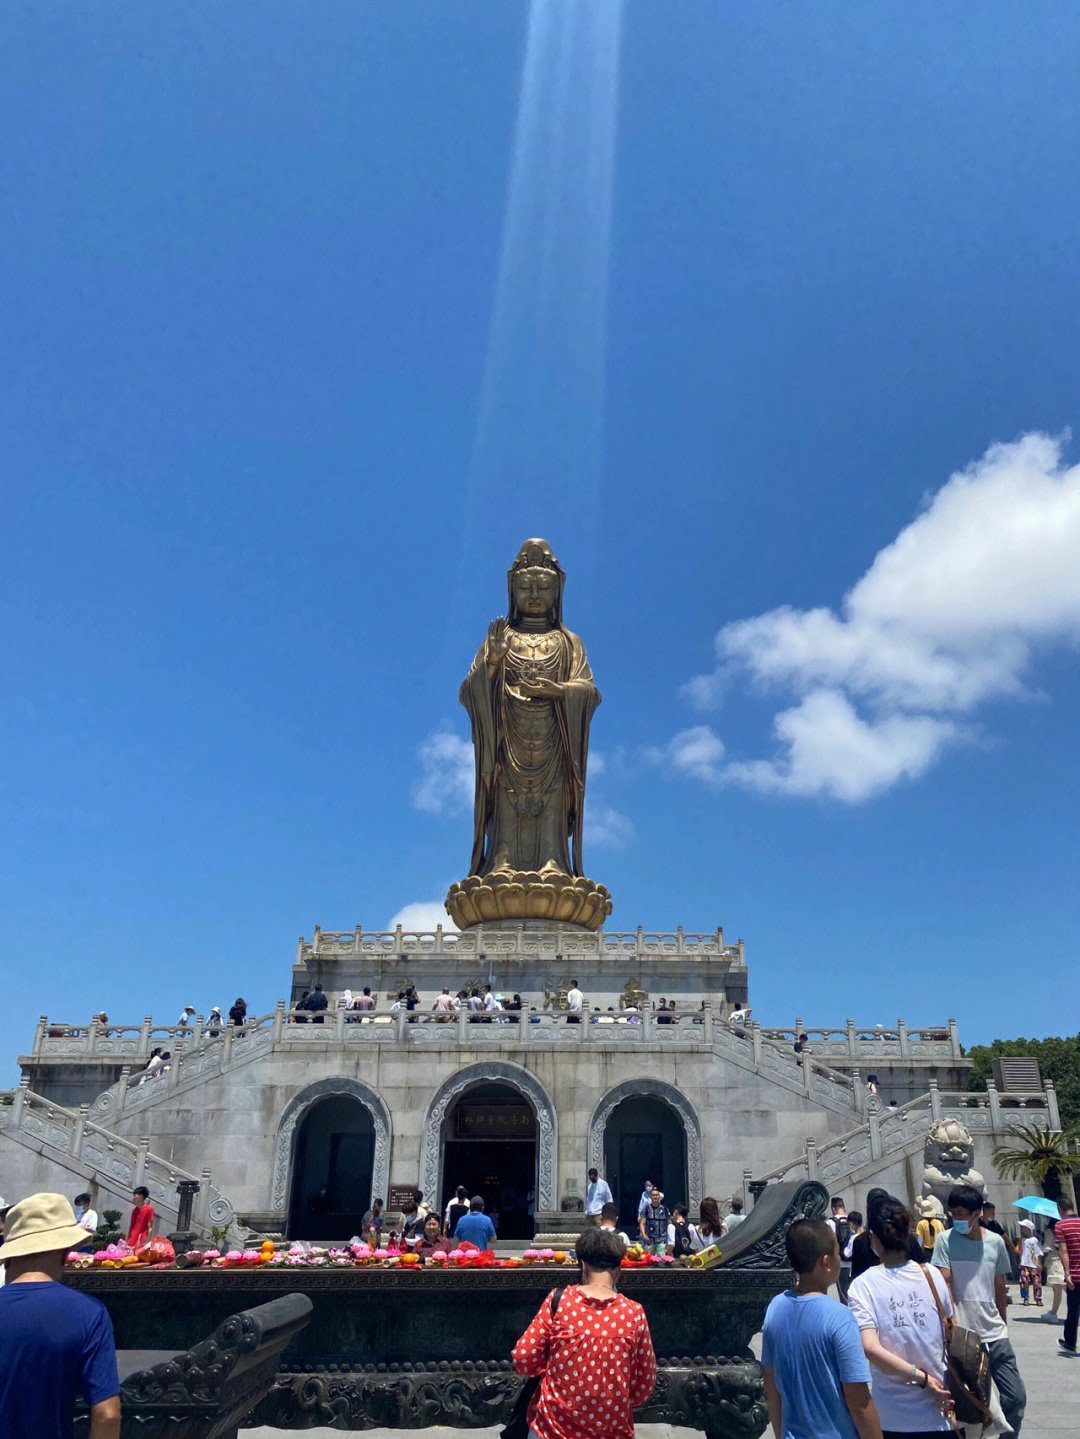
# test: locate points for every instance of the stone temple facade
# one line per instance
(293, 1126)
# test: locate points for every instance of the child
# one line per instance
(1031, 1253)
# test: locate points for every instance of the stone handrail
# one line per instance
(853, 1041)
(118, 1164)
(886, 1133)
(326, 944)
(296, 1030)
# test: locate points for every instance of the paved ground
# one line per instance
(1053, 1385)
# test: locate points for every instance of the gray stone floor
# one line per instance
(1052, 1379)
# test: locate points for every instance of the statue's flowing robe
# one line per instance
(528, 813)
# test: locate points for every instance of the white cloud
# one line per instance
(446, 778)
(606, 827)
(421, 917)
(829, 750)
(950, 615)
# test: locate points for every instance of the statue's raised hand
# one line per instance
(498, 642)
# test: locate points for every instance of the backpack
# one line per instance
(517, 1424)
(843, 1233)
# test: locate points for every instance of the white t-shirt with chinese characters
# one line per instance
(973, 1264)
(896, 1301)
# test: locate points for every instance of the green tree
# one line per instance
(1059, 1060)
(1039, 1155)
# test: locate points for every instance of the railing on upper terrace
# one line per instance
(568, 940)
(211, 1050)
(133, 1043)
(856, 1042)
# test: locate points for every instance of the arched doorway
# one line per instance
(332, 1169)
(440, 1126)
(645, 1129)
(489, 1147)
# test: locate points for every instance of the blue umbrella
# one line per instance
(1038, 1205)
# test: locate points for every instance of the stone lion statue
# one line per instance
(948, 1160)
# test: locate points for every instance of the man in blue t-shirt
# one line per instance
(475, 1227)
(817, 1378)
(55, 1345)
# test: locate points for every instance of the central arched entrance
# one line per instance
(494, 1092)
(334, 1159)
(489, 1147)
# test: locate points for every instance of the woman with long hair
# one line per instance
(895, 1307)
(711, 1227)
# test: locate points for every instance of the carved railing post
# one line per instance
(80, 1131)
(122, 1086)
(91, 1038)
(339, 1021)
(39, 1033)
(995, 1105)
(402, 1018)
(755, 1040)
(811, 1158)
(706, 1024)
(807, 1073)
(19, 1102)
(1052, 1114)
(144, 1034)
(858, 1091)
(279, 1021)
(935, 1101)
(142, 1149)
(747, 1192)
(852, 1042)
(200, 1217)
(227, 1044)
(954, 1039)
(462, 1023)
(646, 1024)
(902, 1034)
(874, 1127)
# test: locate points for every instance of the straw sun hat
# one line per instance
(40, 1224)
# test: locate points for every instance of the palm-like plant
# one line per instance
(1040, 1154)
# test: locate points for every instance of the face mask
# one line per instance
(961, 1226)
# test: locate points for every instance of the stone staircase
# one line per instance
(887, 1136)
(86, 1151)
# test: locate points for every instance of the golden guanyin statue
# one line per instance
(530, 696)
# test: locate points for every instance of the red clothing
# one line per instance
(1067, 1232)
(597, 1362)
(142, 1216)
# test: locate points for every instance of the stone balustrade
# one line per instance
(294, 1031)
(854, 1042)
(132, 1044)
(119, 1164)
(572, 941)
(886, 1133)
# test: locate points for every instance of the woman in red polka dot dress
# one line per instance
(595, 1354)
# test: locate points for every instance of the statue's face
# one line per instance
(535, 591)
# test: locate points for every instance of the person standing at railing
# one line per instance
(575, 1003)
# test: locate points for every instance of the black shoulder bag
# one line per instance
(517, 1426)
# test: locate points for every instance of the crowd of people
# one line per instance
(873, 1364)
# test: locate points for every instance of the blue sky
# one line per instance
(257, 517)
